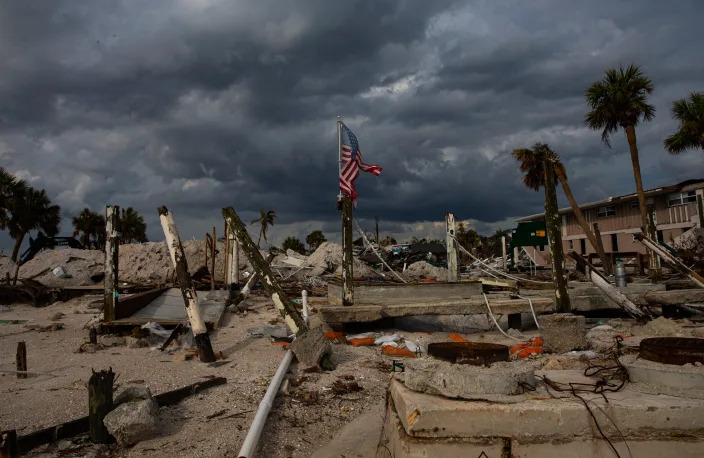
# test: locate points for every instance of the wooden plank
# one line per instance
(393, 293)
(130, 305)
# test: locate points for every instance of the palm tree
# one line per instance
(315, 239)
(10, 188)
(538, 166)
(619, 101)
(265, 219)
(31, 209)
(91, 227)
(131, 226)
(293, 243)
(690, 133)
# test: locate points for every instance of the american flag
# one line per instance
(352, 163)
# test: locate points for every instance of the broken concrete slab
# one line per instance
(133, 422)
(368, 313)
(466, 381)
(542, 418)
(562, 332)
(652, 377)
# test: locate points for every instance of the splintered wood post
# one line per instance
(21, 359)
(190, 298)
(607, 288)
(111, 262)
(655, 273)
(212, 262)
(281, 300)
(8, 444)
(226, 264)
(552, 222)
(453, 267)
(347, 256)
(99, 405)
(503, 253)
(670, 259)
(93, 336)
(235, 261)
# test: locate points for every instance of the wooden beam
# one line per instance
(655, 247)
(21, 359)
(347, 255)
(99, 405)
(190, 298)
(453, 267)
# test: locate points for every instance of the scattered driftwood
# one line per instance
(80, 426)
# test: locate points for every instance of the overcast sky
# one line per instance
(200, 104)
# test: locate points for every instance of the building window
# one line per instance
(583, 245)
(634, 204)
(542, 247)
(681, 198)
(661, 237)
(568, 218)
(614, 243)
(571, 245)
(587, 215)
(606, 211)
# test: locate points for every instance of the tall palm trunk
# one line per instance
(654, 264)
(557, 255)
(583, 222)
(16, 247)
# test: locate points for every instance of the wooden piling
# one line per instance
(281, 300)
(700, 211)
(453, 267)
(21, 359)
(8, 444)
(552, 222)
(226, 264)
(347, 255)
(655, 272)
(93, 336)
(190, 298)
(110, 297)
(212, 262)
(99, 405)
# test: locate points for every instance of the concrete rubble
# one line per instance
(563, 332)
(133, 421)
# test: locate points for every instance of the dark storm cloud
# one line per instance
(202, 104)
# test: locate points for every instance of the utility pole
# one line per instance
(190, 297)
(112, 244)
(552, 222)
(347, 256)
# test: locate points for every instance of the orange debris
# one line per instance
(395, 351)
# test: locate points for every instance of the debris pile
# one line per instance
(328, 259)
(423, 269)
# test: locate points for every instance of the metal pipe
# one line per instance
(304, 302)
(255, 430)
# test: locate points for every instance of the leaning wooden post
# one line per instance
(213, 252)
(281, 300)
(226, 264)
(247, 288)
(178, 257)
(700, 211)
(347, 256)
(21, 359)
(607, 288)
(111, 263)
(453, 267)
(655, 273)
(552, 222)
(99, 405)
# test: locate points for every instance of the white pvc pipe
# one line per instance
(255, 430)
(304, 301)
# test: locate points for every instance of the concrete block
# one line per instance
(465, 381)
(406, 293)
(133, 422)
(541, 418)
(562, 332)
(312, 349)
(657, 378)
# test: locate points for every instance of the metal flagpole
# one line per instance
(339, 154)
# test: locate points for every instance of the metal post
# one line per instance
(190, 297)
(451, 246)
(112, 244)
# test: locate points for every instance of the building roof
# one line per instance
(621, 199)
